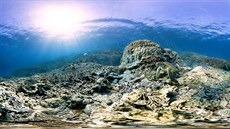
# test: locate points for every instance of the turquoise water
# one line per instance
(201, 27)
(39, 36)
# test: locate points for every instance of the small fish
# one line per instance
(85, 54)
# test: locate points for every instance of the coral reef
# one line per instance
(152, 86)
(109, 58)
(144, 52)
(193, 59)
(143, 57)
(204, 75)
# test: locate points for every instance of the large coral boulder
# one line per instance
(145, 51)
(143, 58)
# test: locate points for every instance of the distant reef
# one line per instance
(193, 59)
(149, 86)
(108, 58)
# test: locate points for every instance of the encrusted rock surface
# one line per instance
(148, 59)
(194, 59)
(144, 51)
(204, 75)
(150, 87)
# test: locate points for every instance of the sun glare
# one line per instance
(59, 21)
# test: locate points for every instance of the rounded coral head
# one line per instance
(143, 51)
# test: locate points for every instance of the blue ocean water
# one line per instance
(25, 47)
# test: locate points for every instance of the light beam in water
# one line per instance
(62, 22)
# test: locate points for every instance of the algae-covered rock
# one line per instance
(12, 107)
(53, 102)
(204, 75)
(79, 101)
(194, 59)
(207, 88)
(142, 106)
(213, 97)
(223, 112)
(145, 51)
(31, 87)
(102, 86)
(154, 62)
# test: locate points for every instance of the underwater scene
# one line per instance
(114, 64)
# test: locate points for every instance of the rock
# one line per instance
(102, 86)
(33, 87)
(194, 59)
(213, 97)
(12, 107)
(79, 102)
(223, 112)
(88, 109)
(53, 102)
(145, 51)
(204, 76)
(142, 105)
(155, 63)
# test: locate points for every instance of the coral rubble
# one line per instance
(152, 86)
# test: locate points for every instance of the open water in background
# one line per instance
(19, 51)
(200, 26)
(185, 26)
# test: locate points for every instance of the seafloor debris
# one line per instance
(152, 86)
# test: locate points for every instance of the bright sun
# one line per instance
(59, 21)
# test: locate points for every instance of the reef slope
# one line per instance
(152, 86)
